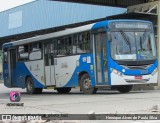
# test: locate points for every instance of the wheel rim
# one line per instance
(87, 84)
(30, 85)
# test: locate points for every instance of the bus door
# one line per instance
(12, 67)
(101, 58)
(49, 64)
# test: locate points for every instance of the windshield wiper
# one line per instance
(126, 39)
(142, 39)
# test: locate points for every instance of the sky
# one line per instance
(7, 4)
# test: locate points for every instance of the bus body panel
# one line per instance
(29, 69)
(75, 65)
(6, 75)
(68, 77)
(36, 69)
(130, 80)
(89, 64)
(64, 70)
(22, 72)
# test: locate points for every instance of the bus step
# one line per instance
(50, 87)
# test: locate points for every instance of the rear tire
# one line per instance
(125, 88)
(86, 85)
(30, 87)
(63, 90)
(39, 90)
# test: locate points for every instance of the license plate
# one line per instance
(138, 77)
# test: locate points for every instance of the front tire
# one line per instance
(86, 85)
(125, 88)
(30, 87)
(63, 90)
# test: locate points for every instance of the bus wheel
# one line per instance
(125, 88)
(39, 90)
(63, 90)
(30, 87)
(86, 85)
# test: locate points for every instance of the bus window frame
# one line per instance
(72, 43)
(40, 49)
(29, 51)
(5, 61)
(133, 63)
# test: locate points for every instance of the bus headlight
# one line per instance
(116, 72)
(154, 72)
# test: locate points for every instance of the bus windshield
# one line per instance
(133, 46)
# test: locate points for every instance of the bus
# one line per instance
(116, 54)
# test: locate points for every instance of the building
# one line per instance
(42, 15)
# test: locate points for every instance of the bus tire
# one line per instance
(39, 90)
(30, 87)
(86, 85)
(63, 90)
(124, 88)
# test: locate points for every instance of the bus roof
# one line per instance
(48, 36)
(67, 32)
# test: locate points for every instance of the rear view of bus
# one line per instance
(131, 54)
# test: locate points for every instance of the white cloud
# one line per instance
(7, 4)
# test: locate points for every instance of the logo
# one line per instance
(6, 117)
(15, 96)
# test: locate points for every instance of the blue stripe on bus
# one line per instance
(21, 73)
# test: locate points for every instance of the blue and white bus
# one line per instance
(113, 53)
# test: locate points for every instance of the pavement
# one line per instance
(104, 102)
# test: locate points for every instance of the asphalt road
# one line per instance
(104, 102)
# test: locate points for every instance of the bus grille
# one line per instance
(144, 67)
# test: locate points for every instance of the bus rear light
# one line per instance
(154, 72)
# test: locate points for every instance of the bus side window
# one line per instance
(35, 52)
(23, 52)
(68, 45)
(36, 47)
(61, 47)
(47, 53)
(75, 39)
(5, 56)
(81, 43)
